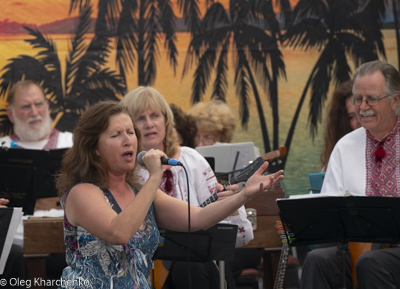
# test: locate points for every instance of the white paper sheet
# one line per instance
(15, 219)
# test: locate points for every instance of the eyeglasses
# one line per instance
(369, 100)
(205, 139)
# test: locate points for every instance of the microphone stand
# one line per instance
(343, 248)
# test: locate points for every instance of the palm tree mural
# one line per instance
(85, 81)
(341, 30)
(240, 30)
(395, 6)
(138, 27)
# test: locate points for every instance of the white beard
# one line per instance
(26, 133)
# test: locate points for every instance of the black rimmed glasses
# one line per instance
(369, 100)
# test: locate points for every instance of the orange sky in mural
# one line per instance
(225, 3)
(46, 11)
(34, 11)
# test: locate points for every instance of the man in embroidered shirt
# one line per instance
(28, 111)
(366, 163)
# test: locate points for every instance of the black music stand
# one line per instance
(340, 219)
(26, 175)
(215, 243)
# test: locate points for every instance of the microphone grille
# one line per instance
(139, 158)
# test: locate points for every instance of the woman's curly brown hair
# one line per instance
(337, 124)
(185, 126)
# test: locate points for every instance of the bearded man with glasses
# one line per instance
(365, 162)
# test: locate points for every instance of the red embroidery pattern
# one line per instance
(167, 183)
(379, 154)
(211, 189)
(382, 164)
(51, 143)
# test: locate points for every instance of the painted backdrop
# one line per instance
(274, 62)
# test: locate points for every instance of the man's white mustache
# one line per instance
(34, 118)
(367, 113)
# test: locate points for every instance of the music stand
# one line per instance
(216, 243)
(340, 219)
(26, 175)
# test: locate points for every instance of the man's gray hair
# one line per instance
(389, 72)
(21, 84)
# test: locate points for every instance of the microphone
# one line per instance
(164, 160)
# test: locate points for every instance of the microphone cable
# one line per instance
(188, 256)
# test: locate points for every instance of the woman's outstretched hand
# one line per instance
(259, 183)
(3, 202)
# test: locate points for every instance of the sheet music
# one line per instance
(225, 155)
(12, 227)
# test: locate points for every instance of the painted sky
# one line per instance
(46, 11)
(34, 12)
